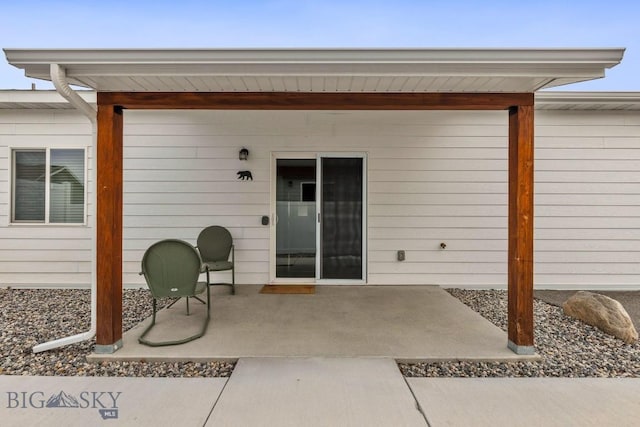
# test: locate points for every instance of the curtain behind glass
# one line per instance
(66, 200)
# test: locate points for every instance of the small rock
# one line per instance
(602, 312)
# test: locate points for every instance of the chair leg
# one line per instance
(233, 269)
(203, 330)
(208, 301)
(232, 284)
(141, 340)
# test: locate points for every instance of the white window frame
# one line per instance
(47, 193)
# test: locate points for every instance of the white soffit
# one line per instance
(319, 70)
(40, 99)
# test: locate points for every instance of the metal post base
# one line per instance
(527, 350)
(107, 348)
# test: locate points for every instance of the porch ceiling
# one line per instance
(318, 70)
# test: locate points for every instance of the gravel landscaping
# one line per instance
(34, 316)
(568, 347)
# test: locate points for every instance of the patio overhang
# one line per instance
(318, 70)
(311, 79)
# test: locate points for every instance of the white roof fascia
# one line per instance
(570, 65)
(210, 56)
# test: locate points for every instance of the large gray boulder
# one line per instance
(602, 312)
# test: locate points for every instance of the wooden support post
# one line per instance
(520, 262)
(109, 228)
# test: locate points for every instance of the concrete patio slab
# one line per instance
(406, 323)
(316, 392)
(528, 401)
(84, 401)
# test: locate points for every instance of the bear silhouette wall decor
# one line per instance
(245, 175)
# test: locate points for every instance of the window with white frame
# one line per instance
(48, 186)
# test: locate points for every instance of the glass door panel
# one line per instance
(296, 218)
(341, 245)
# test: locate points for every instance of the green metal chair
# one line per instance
(171, 269)
(215, 244)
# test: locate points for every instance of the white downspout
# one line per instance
(59, 79)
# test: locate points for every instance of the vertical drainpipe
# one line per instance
(59, 79)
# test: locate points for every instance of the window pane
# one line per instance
(67, 186)
(29, 185)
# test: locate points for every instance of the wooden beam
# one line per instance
(520, 258)
(313, 100)
(109, 228)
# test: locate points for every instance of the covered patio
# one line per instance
(405, 323)
(316, 79)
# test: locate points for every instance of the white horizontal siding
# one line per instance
(587, 199)
(434, 177)
(180, 176)
(39, 255)
(450, 192)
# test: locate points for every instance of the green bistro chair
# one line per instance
(215, 244)
(172, 269)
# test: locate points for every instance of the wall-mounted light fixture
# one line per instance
(243, 154)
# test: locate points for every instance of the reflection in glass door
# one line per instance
(296, 218)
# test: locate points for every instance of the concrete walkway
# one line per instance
(318, 392)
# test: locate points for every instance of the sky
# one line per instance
(327, 24)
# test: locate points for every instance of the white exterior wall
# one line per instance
(432, 177)
(587, 196)
(42, 255)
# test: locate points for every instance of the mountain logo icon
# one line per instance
(62, 400)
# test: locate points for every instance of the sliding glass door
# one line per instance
(320, 217)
